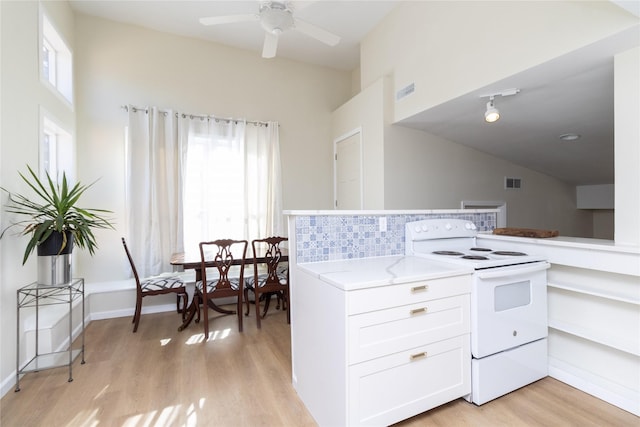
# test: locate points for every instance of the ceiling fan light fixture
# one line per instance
(276, 17)
(492, 114)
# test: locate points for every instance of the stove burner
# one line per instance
(475, 257)
(448, 253)
(481, 249)
(509, 253)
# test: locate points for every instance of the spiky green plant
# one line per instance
(56, 211)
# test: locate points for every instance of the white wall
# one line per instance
(119, 64)
(424, 171)
(451, 48)
(366, 111)
(23, 95)
(627, 147)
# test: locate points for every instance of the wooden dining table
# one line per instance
(192, 261)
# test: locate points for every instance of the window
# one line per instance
(56, 155)
(212, 210)
(55, 61)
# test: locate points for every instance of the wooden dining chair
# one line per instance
(222, 269)
(273, 281)
(157, 285)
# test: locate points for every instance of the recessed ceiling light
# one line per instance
(569, 137)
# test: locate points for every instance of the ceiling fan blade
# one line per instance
(270, 45)
(316, 32)
(229, 19)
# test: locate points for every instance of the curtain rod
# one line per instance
(195, 116)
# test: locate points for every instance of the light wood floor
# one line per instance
(162, 377)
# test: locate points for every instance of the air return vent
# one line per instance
(512, 183)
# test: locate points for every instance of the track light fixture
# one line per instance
(492, 114)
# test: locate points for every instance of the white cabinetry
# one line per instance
(596, 315)
(378, 355)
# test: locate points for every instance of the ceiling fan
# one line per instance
(276, 17)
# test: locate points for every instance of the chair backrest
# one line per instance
(133, 266)
(223, 254)
(269, 249)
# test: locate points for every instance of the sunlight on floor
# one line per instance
(85, 419)
(101, 393)
(168, 416)
(165, 341)
(213, 336)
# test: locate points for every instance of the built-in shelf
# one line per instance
(587, 290)
(599, 337)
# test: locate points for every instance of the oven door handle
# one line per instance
(492, 273)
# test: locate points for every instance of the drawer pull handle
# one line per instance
(418, 311)
(418, 356)
(422, 288)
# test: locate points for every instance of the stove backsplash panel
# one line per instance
(337, 237)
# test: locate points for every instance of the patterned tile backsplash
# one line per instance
(336, 237)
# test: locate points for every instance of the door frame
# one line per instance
(336, 141)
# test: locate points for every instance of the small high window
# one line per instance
(55, 61)
(56, 154)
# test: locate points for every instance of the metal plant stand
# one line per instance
(37, 295)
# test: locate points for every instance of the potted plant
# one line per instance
(55, 222)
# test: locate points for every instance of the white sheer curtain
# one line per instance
(232, 180)
(154, 190)
(192, 178)
(263, 198)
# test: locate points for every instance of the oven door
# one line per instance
(508, 307)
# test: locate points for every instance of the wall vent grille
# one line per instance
(405, 91)
(512, 183)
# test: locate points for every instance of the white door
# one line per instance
(348, 171)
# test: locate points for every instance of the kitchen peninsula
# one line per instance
(366, 321)
(364, 329)
(586, 276)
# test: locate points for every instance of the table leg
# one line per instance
(193, 307)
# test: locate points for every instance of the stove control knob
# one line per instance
(473, 226)
(467, 225)
(424, 227)
(417, 229)
(448, 226)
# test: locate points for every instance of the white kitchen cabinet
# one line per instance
(395, 387)
(376, 350)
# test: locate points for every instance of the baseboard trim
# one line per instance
(577, 378)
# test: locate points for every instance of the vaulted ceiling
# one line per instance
(573, 94)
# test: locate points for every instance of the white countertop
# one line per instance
(573, 242)
(363, 273)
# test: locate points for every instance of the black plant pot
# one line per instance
(52, 245)
(54, 268)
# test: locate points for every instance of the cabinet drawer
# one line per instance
(382, 332)
(364, 300)
(390, 389)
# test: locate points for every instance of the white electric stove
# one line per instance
(508, 305)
